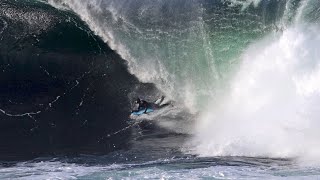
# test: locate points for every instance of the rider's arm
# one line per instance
(145, 106)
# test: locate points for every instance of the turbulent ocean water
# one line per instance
(242, 78)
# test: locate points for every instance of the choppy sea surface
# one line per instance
(156, 156)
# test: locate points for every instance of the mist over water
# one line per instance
(272, 106)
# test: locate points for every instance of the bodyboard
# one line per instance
(137, 113)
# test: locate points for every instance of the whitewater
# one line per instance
(271, 107)
(244, 77)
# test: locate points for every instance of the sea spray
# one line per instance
(272, 106)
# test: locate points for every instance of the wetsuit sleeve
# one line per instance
(145, 106)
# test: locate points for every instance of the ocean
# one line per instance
(241, 78)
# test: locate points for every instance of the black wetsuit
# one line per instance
(143, 105)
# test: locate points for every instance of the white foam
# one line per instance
(245, 3)
(49, 170)
(273, 106)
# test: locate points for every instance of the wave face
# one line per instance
(185, 47)
(250, 68)
(63, 90)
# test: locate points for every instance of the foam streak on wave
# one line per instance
(245, 4)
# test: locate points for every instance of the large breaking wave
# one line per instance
(250, 68)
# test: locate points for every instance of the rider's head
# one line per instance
(138, 100)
